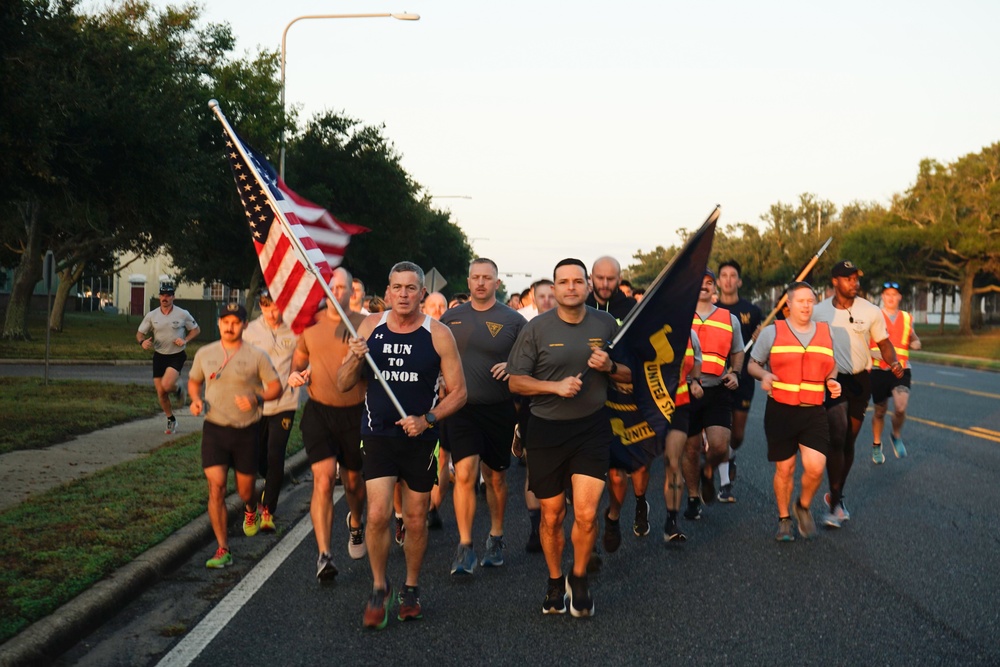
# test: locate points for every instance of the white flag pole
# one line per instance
(300, 251)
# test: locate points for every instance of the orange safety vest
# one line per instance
(802, 370)
(900, 334)
(716, 336)
(683, 390)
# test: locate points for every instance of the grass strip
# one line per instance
(35, 415)
(60, 542)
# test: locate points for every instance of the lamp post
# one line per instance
(284, 35)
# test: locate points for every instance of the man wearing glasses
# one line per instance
(885, 383)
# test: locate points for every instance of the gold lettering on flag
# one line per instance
(633, 434)
(654, 376)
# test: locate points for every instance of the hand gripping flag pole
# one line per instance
(297, 246)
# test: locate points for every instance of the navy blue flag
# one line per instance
(652, 341)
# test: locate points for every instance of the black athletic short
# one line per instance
(714, 408)
(681, 419)
(484, 431)
(743, 396)
(407, 459)
(332, 432)
(884, 382)
(855, 390)
(557, 450)
(231, 447)
(788, 426)
(161, 362)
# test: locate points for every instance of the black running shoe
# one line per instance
(579, 599)
(693, 511)
(672, 532)
(555, 598)
(434, 519)
(641, 524)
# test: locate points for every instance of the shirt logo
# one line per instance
(377, 336)
(494, 328)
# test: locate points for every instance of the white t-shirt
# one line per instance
(852, 330)
(279, 346)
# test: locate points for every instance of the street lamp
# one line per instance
(398, 16)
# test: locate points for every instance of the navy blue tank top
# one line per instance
(411, 367)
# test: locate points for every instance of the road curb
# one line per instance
(43, 641)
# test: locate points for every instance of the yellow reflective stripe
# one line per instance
(720, 325)
(785, 386)
(712, 358)
(786, 349)
(817, 349)
(813, 386)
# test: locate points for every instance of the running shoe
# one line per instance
(171, 426)
(578, 597)
(898, 448)
(400, 531)
(785, 532)
(555, 598)
(325, 569)
(266, 520)
(516, 447)
(693, 511)
(356, 548)
(409, 604)
(251, 522)
(434, 519)
(707, 489)
(377, 609)
(840, 510)
(878, 458)
(221, 559)
(726, 494)
(465, 560)
(612, 533)
(672, 532)
(494, 552)
(807, 527)
(641, 524)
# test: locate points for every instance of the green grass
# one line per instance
(85, 336)
(35, 415)
(984, 346)
(57, 544)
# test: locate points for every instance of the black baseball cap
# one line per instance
(233, 309)
(844, 269)
(167, 288)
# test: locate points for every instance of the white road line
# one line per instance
(189, 648)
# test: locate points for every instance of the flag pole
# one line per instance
(300, 251)
(784, 297)
(632, 314)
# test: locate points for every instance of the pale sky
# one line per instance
(590, 128)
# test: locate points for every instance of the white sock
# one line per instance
(724, 473)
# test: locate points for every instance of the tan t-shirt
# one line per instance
(326, 345)
(225, 376)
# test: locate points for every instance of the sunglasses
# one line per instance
(894, 286)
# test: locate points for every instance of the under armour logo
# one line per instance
(377, 336)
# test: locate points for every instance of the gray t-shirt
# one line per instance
(550, 349)
(167, 327)
(851, 338)
(484, 339)
(279, 346)
(224, 377)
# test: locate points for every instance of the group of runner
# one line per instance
(481, 373)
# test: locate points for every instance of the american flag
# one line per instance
(292, 285)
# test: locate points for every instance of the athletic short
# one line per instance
(484, 431)
(407, 459)
(788, 426)
(884, 382)
(856, 390)
(681, 419)
(161, 362)
(557, 450)
(743, 396)
(231, 447)
(714, 408)
(332, 432)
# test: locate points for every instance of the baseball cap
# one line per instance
(166, 288)
(233, 309)
(711, 274)
(845, 268)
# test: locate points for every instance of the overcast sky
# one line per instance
(589, 128)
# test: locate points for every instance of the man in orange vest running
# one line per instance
(793, 359)
(899, 324)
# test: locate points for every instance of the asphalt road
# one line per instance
(911, 580)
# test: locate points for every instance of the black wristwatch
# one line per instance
(431, 420)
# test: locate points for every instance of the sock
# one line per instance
(535, 517)
(639, 500)
(672, 515)
(555, 582)
(724, 473)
